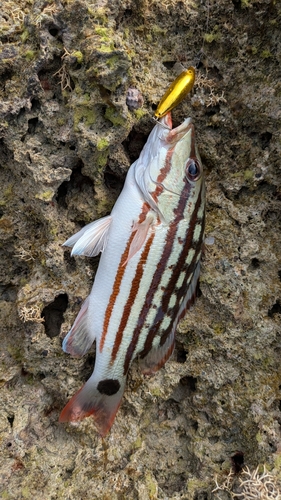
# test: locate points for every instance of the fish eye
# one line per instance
(192, 169)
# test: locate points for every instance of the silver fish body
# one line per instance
(148, 272)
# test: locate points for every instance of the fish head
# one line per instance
(169, 165)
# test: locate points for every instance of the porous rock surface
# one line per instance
(67, 138)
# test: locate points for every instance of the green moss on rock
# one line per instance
(112, 115)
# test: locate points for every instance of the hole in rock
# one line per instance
(134, 144)
(237, 461)
(11, 420)
(76, 182)
(127, 14)
(237, 4)
(35, 105)
(53, 31)
(276, 309)
(53, 315)
(194, 425)
(181, 354)
(189, 383)
(255, 263)
(169, 64)
(201, 495)
(265, 139)
(32, 123)
(111, 180)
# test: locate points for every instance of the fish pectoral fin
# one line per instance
(79, 340)
(141, 231)
(157, 356)
(90, 400)
(91, 239)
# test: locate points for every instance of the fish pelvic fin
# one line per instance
(91, 239)
(100, 400)
(79, 339)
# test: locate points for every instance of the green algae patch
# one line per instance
(24, 36)
(101, 158)
(112, 61)
(79, 56)
(102, 144)
(151, 486)
(30, 55)
(104, 33)
(138, 443)
(99, 14)
(212, 37)
(45, 195)
(83, 113)
(277, 462)
(106, 48)
(9, 192)
(248, 175)
(116, 119)
(266, 54)
(140, 113)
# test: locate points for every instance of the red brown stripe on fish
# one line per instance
(132, 296)
(115, 290)
(162, 175)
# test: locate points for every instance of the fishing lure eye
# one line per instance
(192, 170)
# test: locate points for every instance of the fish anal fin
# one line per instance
(88, 401)
(79, 340)
(157, 356)
(91, 239)
(141, 231)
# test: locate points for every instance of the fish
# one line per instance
(177, 91)
(148, 272)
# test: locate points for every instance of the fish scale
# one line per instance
(148, 272)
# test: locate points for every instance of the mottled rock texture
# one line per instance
(67, 139)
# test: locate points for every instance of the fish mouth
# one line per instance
(177, 133)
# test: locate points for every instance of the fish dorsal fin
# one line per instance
(91, 239)
(157, 356)
(141, 231)
(79, 340)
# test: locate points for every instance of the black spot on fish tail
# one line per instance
(108, 386)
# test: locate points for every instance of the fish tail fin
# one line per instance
(101, 400)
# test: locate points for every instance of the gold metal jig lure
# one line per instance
(177, 91)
